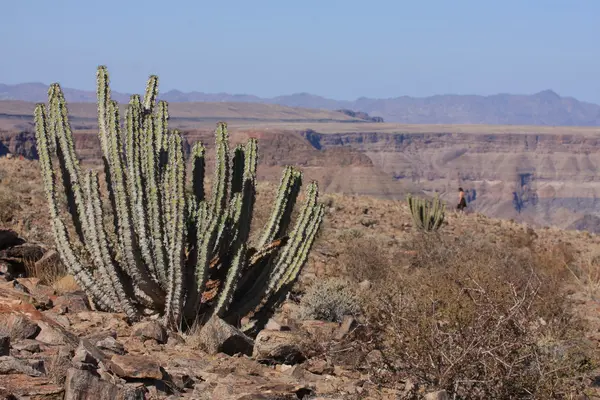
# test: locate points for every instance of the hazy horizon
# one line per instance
(338, 50)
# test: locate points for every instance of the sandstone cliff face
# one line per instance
(543, 179)
(539, 178)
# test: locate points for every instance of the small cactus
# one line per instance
(427, 215)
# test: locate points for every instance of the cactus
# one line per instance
(427, 215)
(169, 252)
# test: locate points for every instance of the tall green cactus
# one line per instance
(427, 215)
(169, 252)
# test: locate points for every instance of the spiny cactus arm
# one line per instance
(241, 219)
(154, 207)
(63, 245)
(151, 93)
(272, 278)
(135, 180)
(301, 256)
(147, 290)
(176, 176)
(69, 165)
(287, 193)
(103, 95)
(226, 296)
(118, 288)
(221, 178)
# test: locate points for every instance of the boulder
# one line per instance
(217, 336)
(283, 347)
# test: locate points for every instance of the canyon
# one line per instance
(542, 175)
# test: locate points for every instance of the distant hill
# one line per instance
(543, 108)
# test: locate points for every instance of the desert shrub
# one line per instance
(9, 206)
(363, 258)
(329, 300)
(478, 319)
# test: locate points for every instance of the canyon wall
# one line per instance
(544, 179)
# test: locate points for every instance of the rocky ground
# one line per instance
(54, 345)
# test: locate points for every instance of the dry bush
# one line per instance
(329, 300)
(363, 258)
(478, 319)
(9, 206)
(48, 273)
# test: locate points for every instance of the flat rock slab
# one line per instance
(136, 367)
(24, 386)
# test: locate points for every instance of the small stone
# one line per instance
(136, 367)
(347, 324)
(283, 347)
(217, 336)
(83, 359)
(365, 285)
(439, 395)
(11, 365)
(150, 330)
(319, 367)
(375, 357)
(111, 345)
(32, 346)
(273, 325)
(175, 339)
(4, 345)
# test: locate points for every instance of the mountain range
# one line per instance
(543, 108)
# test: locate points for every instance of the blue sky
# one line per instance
(338, 49)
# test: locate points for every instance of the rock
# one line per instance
(9, 238)
(319, 367)
(137, 367)
(320, 329)
(28, 387)
(273, 325)
(32, 346)
(439, 395)
(51, 335)
(11, 365)
(83, 385)
(19, 327)
(4, 345)
(217, 336)
(365, 285)
(24, 251)
(150, 330)
(73, 302)
(279, 347)
(348, 322)
(175, 339)
(111, 345)
(375, 357)
(83, 359)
